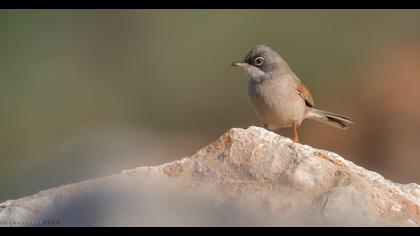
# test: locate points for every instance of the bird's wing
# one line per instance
(304, 93)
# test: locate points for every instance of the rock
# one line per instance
(246, 177)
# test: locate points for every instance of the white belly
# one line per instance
(277, 106)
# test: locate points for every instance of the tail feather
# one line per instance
(329, 118)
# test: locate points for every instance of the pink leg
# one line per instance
(295, 134)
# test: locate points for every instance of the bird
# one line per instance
(278, 96)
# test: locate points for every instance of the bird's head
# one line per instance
(261, 62)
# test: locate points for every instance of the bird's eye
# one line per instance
(259, 61)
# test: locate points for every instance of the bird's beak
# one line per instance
(240, 64)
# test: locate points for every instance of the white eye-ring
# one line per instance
(259, 61)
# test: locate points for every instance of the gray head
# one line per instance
(262, 62)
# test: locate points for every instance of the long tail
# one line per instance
(329, 118)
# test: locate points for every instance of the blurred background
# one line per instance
(88, 93)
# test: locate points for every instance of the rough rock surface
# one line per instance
(246, 177)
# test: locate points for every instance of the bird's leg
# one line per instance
(295, 134)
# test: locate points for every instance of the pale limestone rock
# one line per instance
(246, 177)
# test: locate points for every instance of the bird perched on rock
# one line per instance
(278, 96)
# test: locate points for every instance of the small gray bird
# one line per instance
(278, 96)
